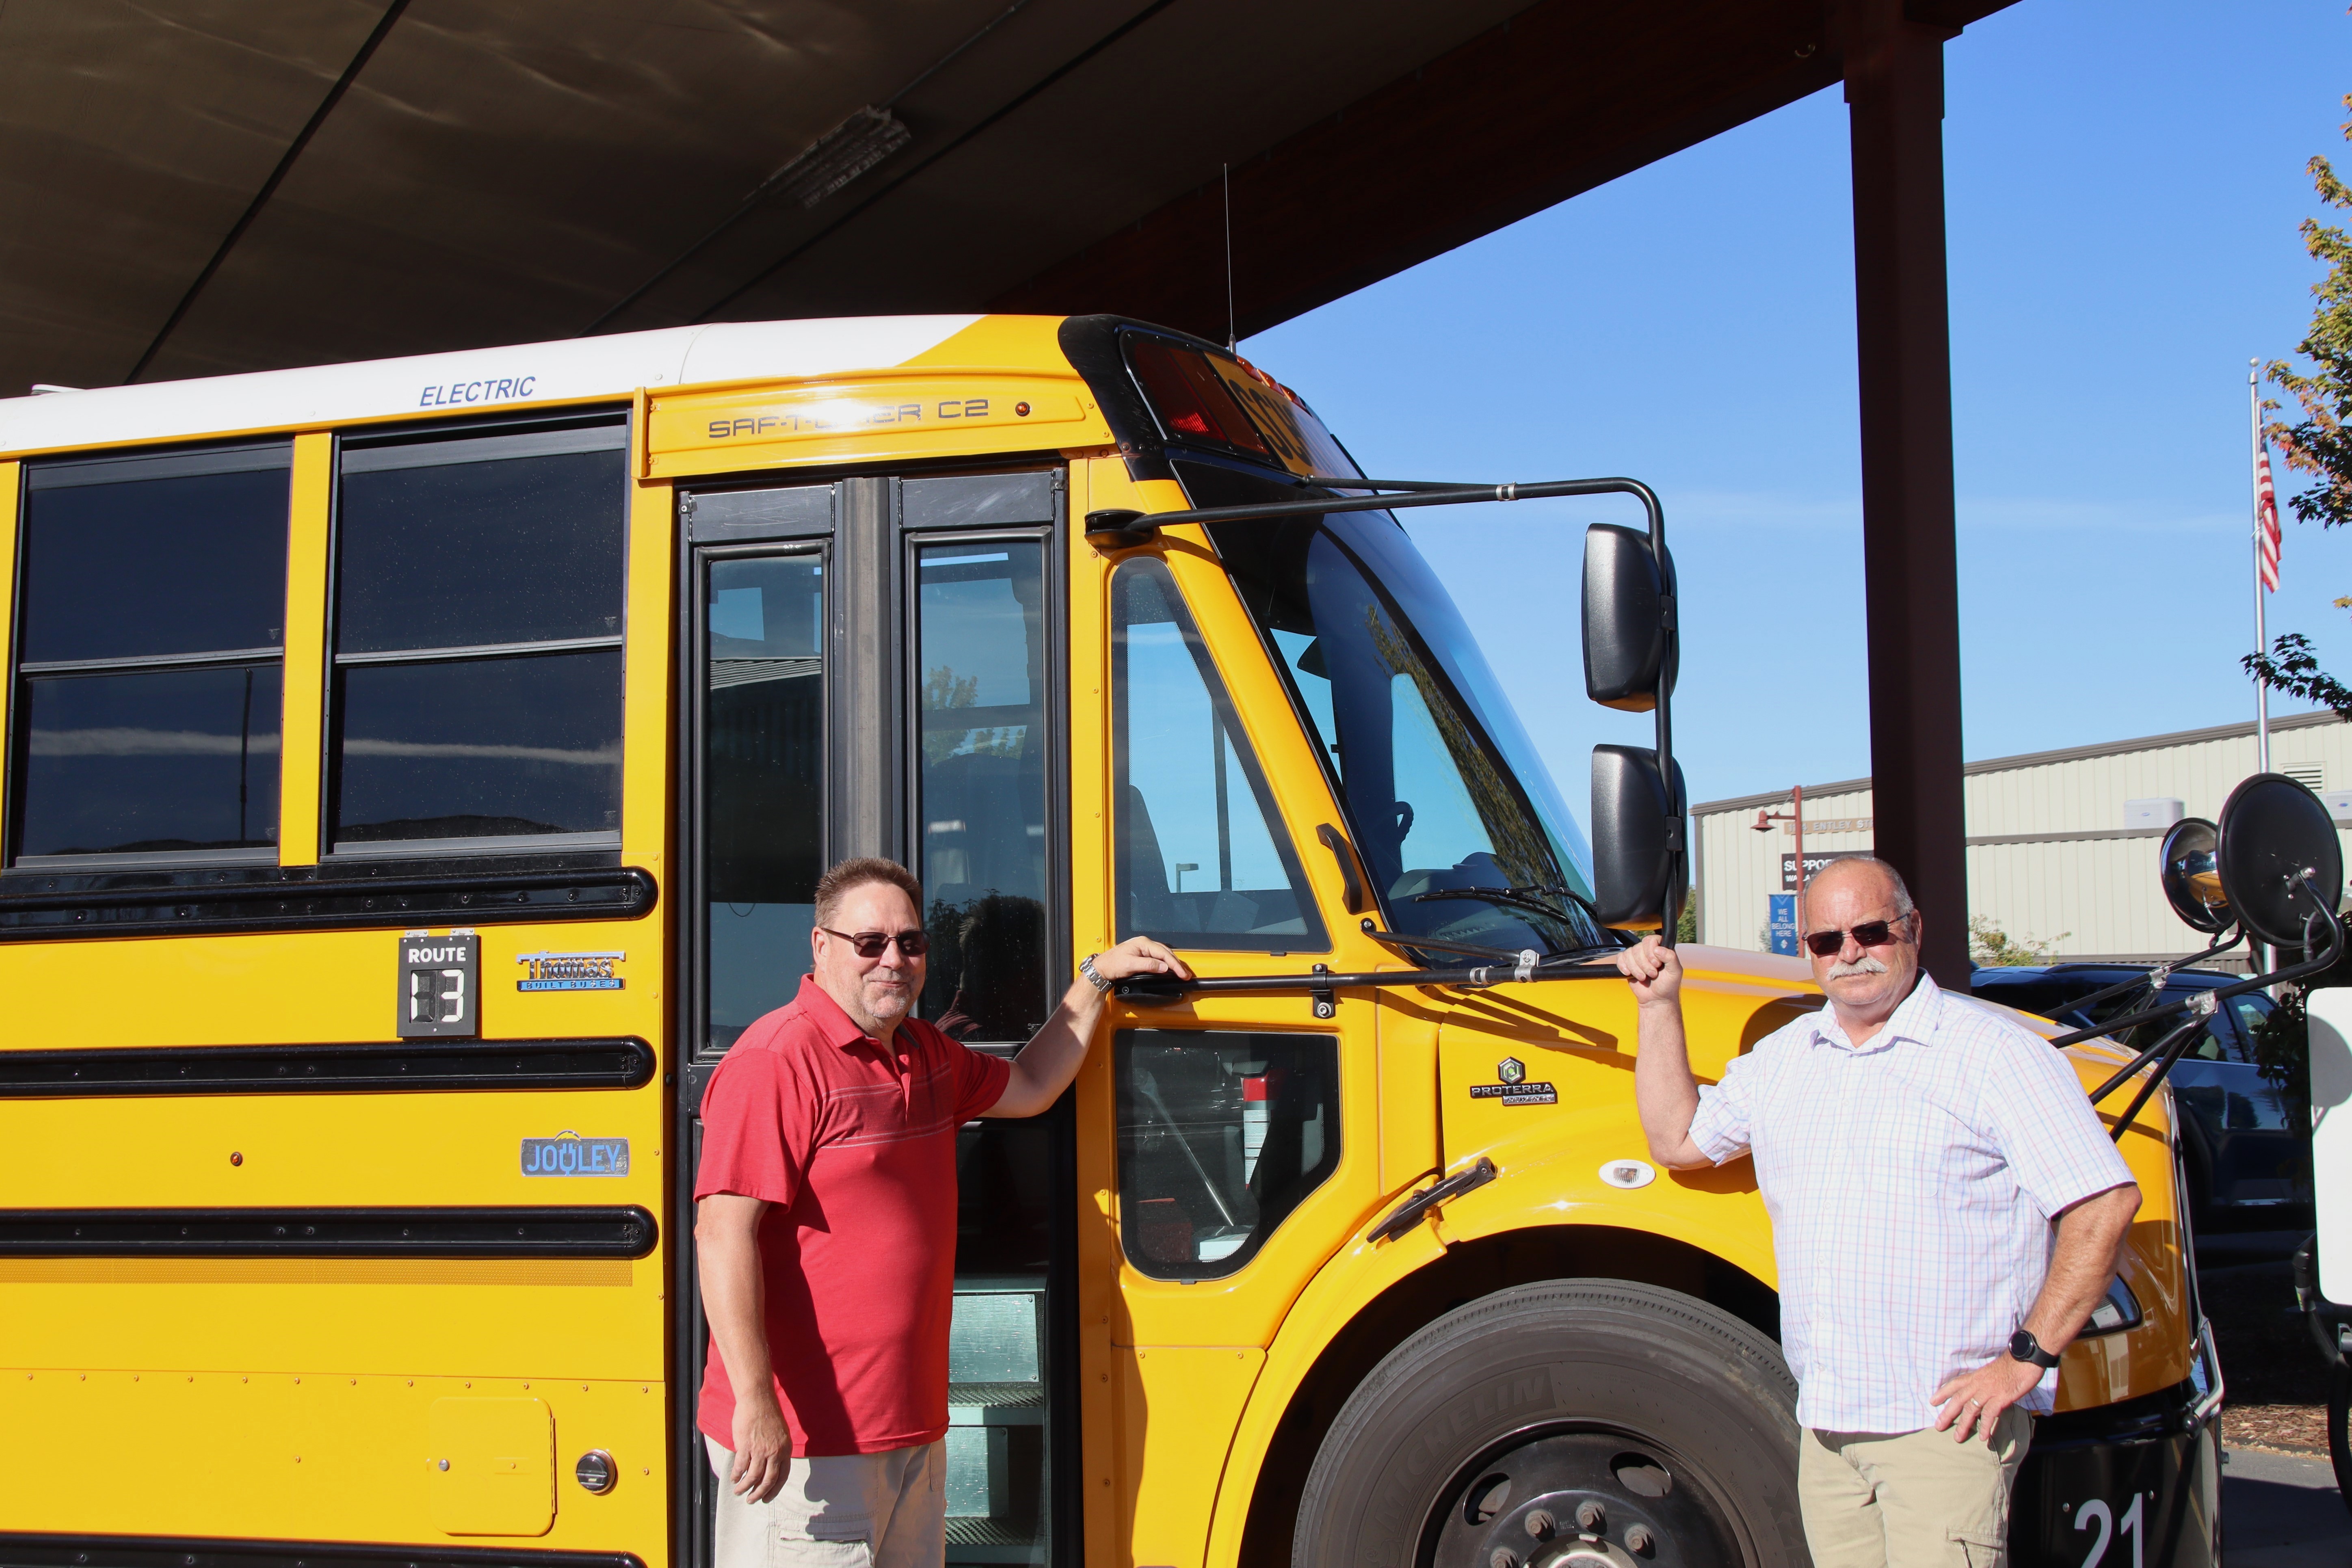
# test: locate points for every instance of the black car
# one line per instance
(2249, 1187)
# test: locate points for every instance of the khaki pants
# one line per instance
(839, 1511)
(1910, 1500)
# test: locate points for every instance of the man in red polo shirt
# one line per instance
(826, 1224)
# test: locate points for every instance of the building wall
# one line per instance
(2050, 858)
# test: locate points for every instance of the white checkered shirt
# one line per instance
(1911, 1183)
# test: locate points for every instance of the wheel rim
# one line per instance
(1581, 1496)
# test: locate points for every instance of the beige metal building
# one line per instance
(2062, 845)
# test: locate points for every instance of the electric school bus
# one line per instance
(416, 777)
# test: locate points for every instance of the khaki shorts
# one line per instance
(1910, 1500)
(839, 1511)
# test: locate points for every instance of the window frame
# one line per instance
(186, 460)
(555, 434)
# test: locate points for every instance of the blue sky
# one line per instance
(2123, 186)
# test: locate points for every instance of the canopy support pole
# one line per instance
(1895, 91)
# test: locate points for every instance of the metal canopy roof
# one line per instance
(198, 186)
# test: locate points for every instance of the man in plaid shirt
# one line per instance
(1946, 1210)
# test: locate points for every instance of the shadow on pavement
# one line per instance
(2281, 1510)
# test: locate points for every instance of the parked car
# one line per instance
(2249, 1174)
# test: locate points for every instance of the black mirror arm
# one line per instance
(2203, 1006)
(2153, 981)
(1470, 977)
(2172, 1047)
(2235, 988)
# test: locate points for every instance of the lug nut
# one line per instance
(1501, 1558)
(1541, 1524)
(1639, 1538)
(1589, 1515)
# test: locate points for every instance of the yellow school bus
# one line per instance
(417, 774)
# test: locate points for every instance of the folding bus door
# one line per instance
(877, 669)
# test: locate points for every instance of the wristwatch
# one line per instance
(1086, 968)
(2024, 1347)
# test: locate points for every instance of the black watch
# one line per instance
(2024, 1347)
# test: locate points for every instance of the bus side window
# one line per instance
(1203, 858)
(478, 639)
(153, 602)
(1219, 1137)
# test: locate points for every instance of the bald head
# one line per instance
(1875, 877)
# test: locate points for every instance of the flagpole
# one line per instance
(2261, 639)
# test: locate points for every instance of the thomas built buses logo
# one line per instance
(570, 971)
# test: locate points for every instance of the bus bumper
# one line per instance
(2132, 1485)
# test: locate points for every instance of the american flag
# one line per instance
(2266, 523)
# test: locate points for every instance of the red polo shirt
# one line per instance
(855, 1146)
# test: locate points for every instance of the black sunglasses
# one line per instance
(1869, 933)
(874, 943)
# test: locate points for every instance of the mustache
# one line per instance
(1865, 964)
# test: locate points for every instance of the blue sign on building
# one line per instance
(1783, 923)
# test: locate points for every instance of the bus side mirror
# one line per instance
(2192, 883)
(1634, 852)
(1628, 619)
(2278, 859)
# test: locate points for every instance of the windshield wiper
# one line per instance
(1520, 898)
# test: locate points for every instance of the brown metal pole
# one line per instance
(1797, 827)
(1895, 91)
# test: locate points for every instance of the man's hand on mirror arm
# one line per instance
(1664, 1092)
(1051, 1060)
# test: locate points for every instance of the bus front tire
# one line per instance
(1560, 1423)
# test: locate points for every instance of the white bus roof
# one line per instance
(512, 377)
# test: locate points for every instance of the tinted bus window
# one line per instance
(478, 639)
(981, 653)
(763, 781)
(153, 594)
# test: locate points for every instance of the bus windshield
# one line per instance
(1442, 787)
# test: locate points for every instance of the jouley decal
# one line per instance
(569, 1154)
(1511, 1086)
(569, 971)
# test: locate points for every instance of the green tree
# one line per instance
(1993, 948)
(2318, 445)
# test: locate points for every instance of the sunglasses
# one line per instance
(1869, 933)
(875, 943)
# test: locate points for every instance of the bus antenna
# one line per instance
(1233, 338)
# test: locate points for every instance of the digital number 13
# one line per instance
(424, 1001)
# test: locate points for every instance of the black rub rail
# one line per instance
(24, 1549)
(450, 1232)
(370, 1067)
(61, 906)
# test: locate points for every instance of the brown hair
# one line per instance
(856, 872)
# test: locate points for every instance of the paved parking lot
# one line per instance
(2281, 1510)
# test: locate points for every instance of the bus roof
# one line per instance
(517, 376)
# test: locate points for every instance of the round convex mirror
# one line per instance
(2271, 830)
(2192, 884)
